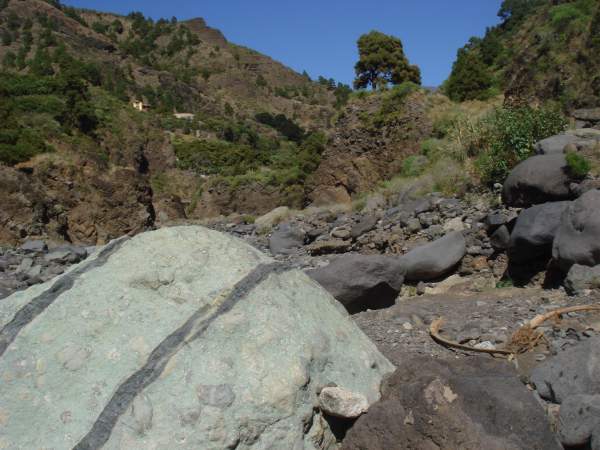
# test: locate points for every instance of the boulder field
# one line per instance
(189, 338)
(179, 338)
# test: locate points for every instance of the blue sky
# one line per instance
(319, 36)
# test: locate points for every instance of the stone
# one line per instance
(286, 239)
(338, 402)
(500, 239)
(587, 114)
(25, 265)
(340, 233)
(366, 224)
(578, 237)
(579, 416)
(267, 221)
(467, 404)
(34, 246)
(416, 206)
(554, 144)
(495, 220)
(534, 232)
(455, 224)
(538, 179)
(581, 279)
(595, 444)
(413, 225)
(434, 232)
(66, 254)
(178, 338)
(361, 282)
(328, 247)
(433, 260)
(573, 371)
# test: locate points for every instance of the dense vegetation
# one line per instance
(50, 98)
(542, 48)
(275, 162)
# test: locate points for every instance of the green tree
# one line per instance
(470, 78)
(516, 10)
(382, 61)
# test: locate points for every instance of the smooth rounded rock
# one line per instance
(536, 180)
(433, 260)
(581, 279)
(578, 237)
(534, 232)
(361, 282)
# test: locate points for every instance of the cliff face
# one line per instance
(362, 153)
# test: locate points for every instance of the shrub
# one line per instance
(562, 15)
(578, 165)
(281, 123)
(507, 137)
(393, 104)
(470, 78)
(413, 166)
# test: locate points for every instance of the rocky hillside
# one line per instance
(79, 163)
(372, 138)
(543, 50)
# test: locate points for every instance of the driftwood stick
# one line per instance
(434, 331)
(540, 319)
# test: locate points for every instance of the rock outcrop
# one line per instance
(178, 338)
(358, 157)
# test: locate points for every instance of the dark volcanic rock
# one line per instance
(581, 278)
(469, 404)
(573, 371)
(34, 246)
(431, 261)
(361, 282)
(500, 239)
(539, 179)
(578, 237)
(286, 239)
(365, 225)
(579, 417)
(534, 232)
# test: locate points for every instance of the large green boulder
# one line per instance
(182, 338)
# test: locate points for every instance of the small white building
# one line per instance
(186, 116)
(140, 105)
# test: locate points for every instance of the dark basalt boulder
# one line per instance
(536, 180)
(578, 237)
(436, 259)
(534, 232)
(361, 282)
(467, 404)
